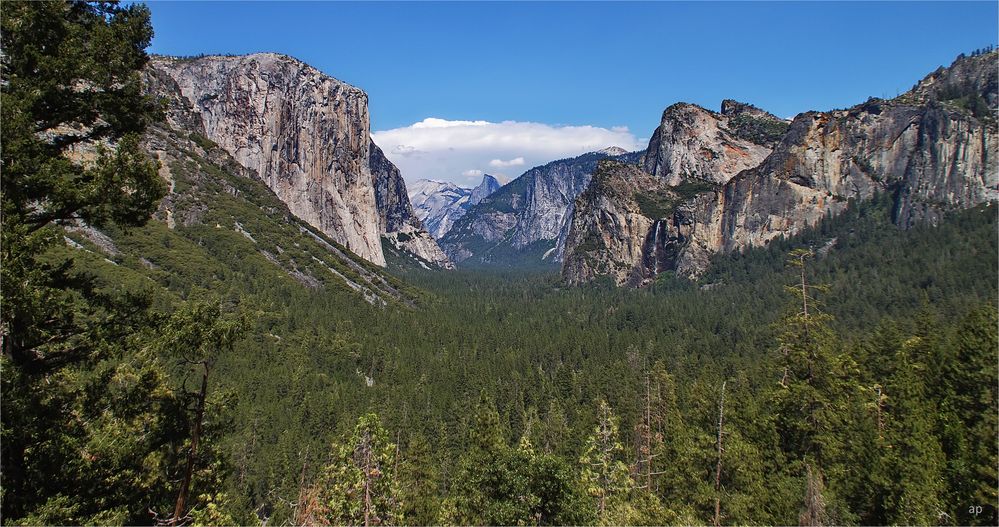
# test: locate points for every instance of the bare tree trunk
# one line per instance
(648, 432)
(304, 496)
(185, 487)
(718, 466)
(814, 513)
(804, 289)
(879, 404)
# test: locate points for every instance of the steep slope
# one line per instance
(525, 221)
(303, 133)
(220, 229)
(441, 203)
(932, 149)
(614, 241)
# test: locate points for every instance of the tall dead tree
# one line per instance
(813, 513)
(718, 466)
(192, 454)
(651, 430)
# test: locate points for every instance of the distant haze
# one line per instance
(462, 151)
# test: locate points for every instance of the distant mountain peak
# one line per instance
(488, 185)
(613, 151)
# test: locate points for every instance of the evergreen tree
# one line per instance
(970, 417)
(912, 450)
(816, 396)
(360, 486)
(605, 476)
(71, 117)
(485, 492)
(419, 482)
(196, 334)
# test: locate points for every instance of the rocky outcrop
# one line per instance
(932, 149)
(303, 133)
(692, 143)
(439, 204)
(526, 221)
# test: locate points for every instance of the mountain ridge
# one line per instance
(524, 222)
(932, 148)
(441, 203)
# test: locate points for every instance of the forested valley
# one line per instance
(845, 375)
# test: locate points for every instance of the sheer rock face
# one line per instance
(396, 219)
(932, 149)
(484, 189)
(303, 133)
(526, 221)
(607, 236)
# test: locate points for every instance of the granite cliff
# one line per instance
(304, 134)
(932, 149)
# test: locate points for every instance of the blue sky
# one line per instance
(595, 66)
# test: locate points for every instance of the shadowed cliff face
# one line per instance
(932, 149)
(396, 219)
(306, 135)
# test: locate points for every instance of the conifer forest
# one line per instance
(181, 345)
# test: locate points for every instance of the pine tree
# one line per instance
(913, 454)
(969, 413)
(360, 487)
(483, 490)
(71, 118)
(818, 385)
(196, 334)
(604, 475)
(419, 482)
(813, 513)
(554, 429)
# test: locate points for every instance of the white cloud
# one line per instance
(499, 163)
(461, 151)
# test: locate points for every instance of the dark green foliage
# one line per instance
(969, 100)
(89, 425)
(887, 413)
(759, 130)
(659, 206)
(203, 141)
(651, 206)
(502, 485)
